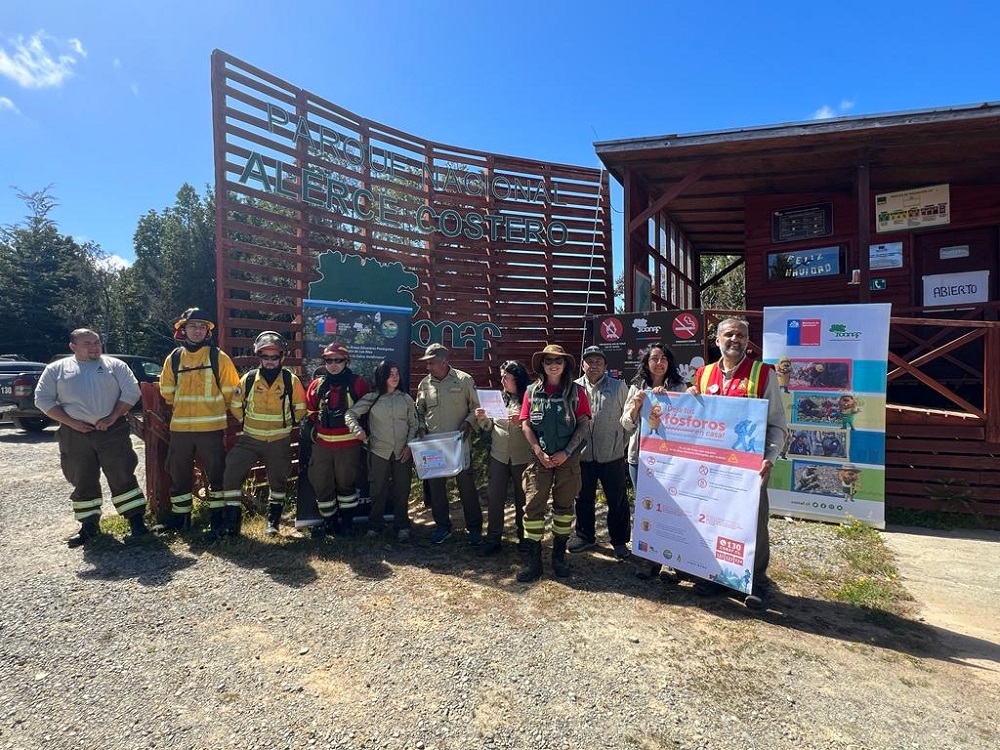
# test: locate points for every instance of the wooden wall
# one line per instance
(971, 206)
(534, 290)
(940, 462)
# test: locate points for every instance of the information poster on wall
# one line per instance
(913, 209)
(699, 483)
(830, 363)
(625, 336)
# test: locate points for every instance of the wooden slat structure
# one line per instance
(297, 175)
(691, 197)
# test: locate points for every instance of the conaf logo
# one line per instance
(642, 326)
(839, 331)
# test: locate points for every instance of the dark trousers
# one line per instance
(503, 476)
(248, 451)
(612, 476)
(184, 446)
(762, 554)
(390, 480)
(83, 456)
(470, 501)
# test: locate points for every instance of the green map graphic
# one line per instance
(353, 278)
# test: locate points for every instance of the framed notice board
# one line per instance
(802, 222)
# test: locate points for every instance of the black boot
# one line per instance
(327, 528)
(532, 569)
(559, 564)
(174, 522)
(346, 522)
(273, 518)
(137, 526)
(89, 528)
(647, 570)
(216, 525)
(234, 519)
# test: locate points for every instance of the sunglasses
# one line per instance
(552, 360)
(270, 357)
(334, 360)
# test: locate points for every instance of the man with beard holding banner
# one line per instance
(737, 376)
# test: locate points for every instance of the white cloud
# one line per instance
(32, 65)
(116, 64)
(114, 263)
(135, 89)
(6, 103)
(827, 112)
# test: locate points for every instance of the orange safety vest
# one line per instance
(756, 382)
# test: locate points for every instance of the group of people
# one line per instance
(562, 436)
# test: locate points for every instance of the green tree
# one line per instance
(50, 283)
(174, 269)
(726, 279)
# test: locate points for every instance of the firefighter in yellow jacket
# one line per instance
(197, 382)
(270, 401)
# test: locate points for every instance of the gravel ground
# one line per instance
(369, 644)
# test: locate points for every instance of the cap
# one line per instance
(551, 350)
(335, 348)
(434, 350)
(594, 351)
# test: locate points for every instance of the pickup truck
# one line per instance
(28, 417)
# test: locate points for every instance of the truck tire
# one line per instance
(31, 424)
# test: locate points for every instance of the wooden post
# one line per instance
(991, 393)
(864, 228)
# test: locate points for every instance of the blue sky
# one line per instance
(109, 102)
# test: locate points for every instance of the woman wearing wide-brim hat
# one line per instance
(554, 417)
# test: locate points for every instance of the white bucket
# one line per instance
(440, 455)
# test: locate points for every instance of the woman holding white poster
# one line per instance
(509, 455)
(657, 373)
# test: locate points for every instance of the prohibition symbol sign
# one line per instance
(685, 326)
(611, 329)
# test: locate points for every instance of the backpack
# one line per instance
(335, 417)
(213, 358)
(286, 379)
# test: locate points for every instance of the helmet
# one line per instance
(194, 313)
(270, 339)
(337, 349)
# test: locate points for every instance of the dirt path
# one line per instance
(372, 645)
(955, 578)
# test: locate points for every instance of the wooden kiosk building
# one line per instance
(898, 208)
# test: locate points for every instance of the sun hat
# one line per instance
(552, 350)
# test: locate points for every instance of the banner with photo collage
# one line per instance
(830, 362)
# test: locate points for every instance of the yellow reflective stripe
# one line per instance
(337, 438)
(706, 377)
(753, 386)
(86, 508)
(561, 525)
(123, 508)
(126, 495)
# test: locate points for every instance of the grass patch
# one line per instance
(871, 580)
